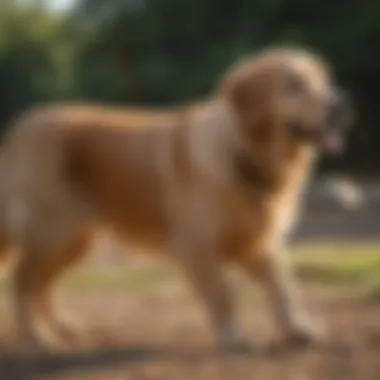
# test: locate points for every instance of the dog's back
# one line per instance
(68, 159)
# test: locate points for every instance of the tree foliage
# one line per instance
(161, 52)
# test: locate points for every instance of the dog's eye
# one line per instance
(295, 84)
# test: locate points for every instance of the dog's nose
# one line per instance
(340, 109)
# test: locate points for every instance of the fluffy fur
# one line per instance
(206, 183)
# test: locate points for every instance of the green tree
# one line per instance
(32, 58)
(161, 52)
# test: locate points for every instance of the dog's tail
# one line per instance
(6, 246)
(6, 241)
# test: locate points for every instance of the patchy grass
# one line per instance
(338, 263)
(334, 264)
(328, 264)
(372, 290)
(139, 278)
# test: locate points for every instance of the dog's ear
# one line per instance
(252, 95)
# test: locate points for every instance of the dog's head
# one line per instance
(289, 94)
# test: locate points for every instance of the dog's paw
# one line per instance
(241, 346)
(39, 340)
(232, 341)
(307, 333)
(60, 332)
(69, 328)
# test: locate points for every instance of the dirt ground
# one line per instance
(163, 334)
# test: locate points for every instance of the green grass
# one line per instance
(355, 265)
(337, 263)
(118, 278)
(328, 264)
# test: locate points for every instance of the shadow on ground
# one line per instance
(332, 361)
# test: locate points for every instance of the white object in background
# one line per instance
(346, 192)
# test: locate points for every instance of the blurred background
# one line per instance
(165, 52)
(162, 52)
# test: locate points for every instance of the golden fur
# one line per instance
(167, 180)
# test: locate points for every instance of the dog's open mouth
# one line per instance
(332, 142)
(329, 140)
(329, 133)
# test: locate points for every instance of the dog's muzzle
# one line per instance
(330, 134)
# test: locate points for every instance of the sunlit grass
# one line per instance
(336, 263)
(328, 264)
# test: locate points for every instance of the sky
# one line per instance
(61, 4)
(58, 5)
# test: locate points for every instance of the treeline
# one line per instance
(162, 52)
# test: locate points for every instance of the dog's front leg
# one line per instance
(274, 273)
(202, 266)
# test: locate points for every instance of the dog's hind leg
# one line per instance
(6, 242)
(5, 247)
(64, 325)
(7, 252)
(42, 261)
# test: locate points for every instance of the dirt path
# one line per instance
(163, 335)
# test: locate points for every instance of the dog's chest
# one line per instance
(262, 222)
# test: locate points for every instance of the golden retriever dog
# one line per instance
(214, 182)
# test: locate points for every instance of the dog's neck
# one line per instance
(222, 152)
(295, 163)
(213, 139)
